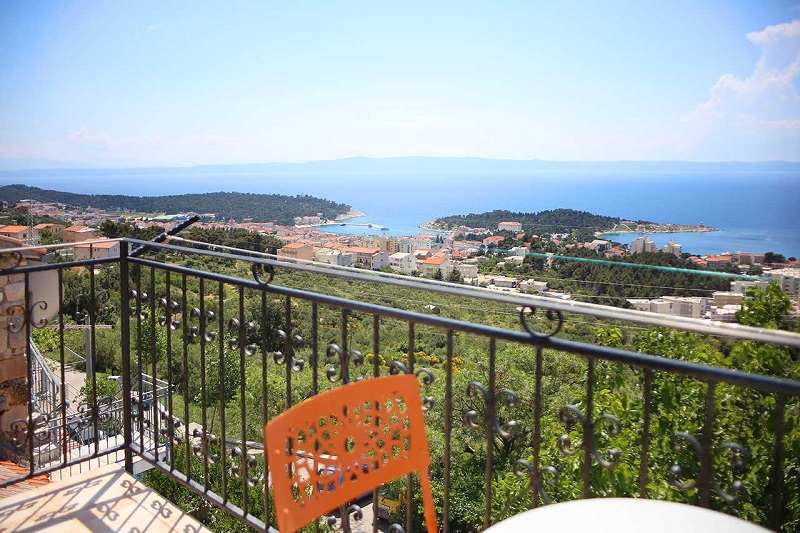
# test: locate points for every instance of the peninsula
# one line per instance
(653, 227)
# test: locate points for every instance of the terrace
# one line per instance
(531, 401)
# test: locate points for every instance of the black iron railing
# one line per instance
(529, 400)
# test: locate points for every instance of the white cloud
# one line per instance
(766, 102)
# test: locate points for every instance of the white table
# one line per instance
(624, 515)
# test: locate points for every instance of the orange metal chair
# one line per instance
(335, 446)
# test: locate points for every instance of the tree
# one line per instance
(765, 308)
(48, 237)
(772, 257)
(455, 276)
(438, 274)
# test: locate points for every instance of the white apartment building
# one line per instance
(687, 306)
(643, 245)
(371, 258)
(673, 248)
(740, 286)
(530, 285)
(510, 226)
(403, 262)
(518, 250)
(406, 245)
(662, 306)
(467, 270)
(505, 282)
(787, 278)
(722, 298)
(599, 245)
(725, 313)
(333, 257)
(425, 240)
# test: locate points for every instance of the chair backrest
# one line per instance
(335, 446)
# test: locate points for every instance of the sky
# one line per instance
(154, 83)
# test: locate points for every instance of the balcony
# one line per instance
(529, 400)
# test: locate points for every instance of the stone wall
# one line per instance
(13, 360)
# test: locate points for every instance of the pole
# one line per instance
(89, 358)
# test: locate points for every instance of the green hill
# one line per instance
(551, 221)
(226, 205)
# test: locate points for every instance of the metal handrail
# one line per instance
(707, 327)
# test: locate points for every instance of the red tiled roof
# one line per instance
(718, 258)
(362, 250)
(96, 245)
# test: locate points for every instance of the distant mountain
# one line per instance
(226, 205)
(366, 165)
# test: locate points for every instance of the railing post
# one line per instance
(124, 290)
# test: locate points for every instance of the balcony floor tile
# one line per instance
(105, 499)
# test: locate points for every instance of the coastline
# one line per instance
(353, 213)
(430, 226)
(643, 229)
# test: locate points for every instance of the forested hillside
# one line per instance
(226, 205)
(550, 221)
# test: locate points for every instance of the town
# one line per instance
(454, 256)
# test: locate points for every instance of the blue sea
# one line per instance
(754, 211)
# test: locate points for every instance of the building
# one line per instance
(467, 270)
(509, 226)
(55, 229)
(493, 241)
(787, 278)
(372, 241)
(687, 306)
(296, 251)
(725, 313)
(96, 250)
(740, 286)
(599, 245)
(406, 245)
(505, 282)
(716, 261)
(22, 233)
(429, 266)
(369, 258)
(683, 306)
(78, 234)
(333, 257)
(642, 245)
(530, 285)
(403, 262)
(673, 248)
(723, 298)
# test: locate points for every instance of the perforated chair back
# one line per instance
(335, 446)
